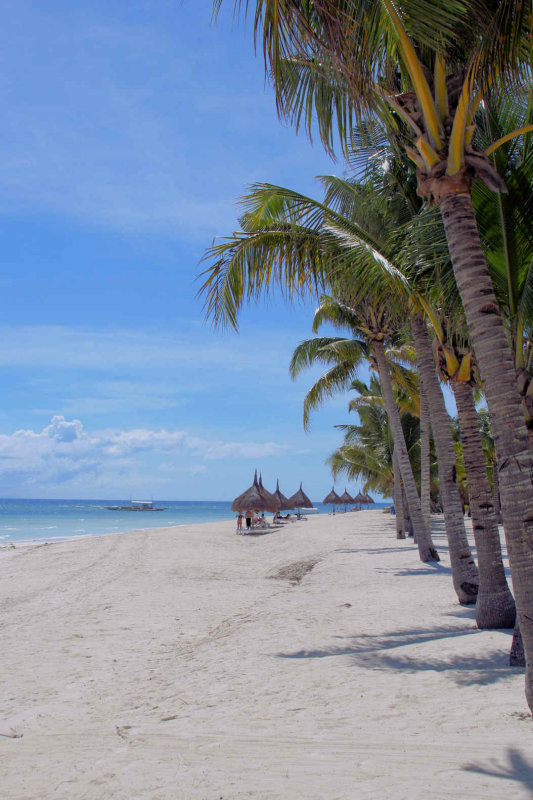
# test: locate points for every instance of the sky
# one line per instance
(129, 130)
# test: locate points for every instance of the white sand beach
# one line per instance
(173, 663)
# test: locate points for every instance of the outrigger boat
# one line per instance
(138, 505)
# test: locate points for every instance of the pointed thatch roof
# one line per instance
(273, 502)
(368, 499)
(360, 498)
(299, 500)
(345, 498)
(332, 498)
(284, 504)
(252, 498)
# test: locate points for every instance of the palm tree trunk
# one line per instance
(496, 492)
(510, 435)
(516, 656)
(464, 571)
(401, 525)
(426, 548)
(425, 433)
(495, 607)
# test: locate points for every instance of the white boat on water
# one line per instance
(138, 505)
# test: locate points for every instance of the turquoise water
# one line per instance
(57, 520)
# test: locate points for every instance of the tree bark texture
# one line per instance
(426, 548)
(517, 656)
(464, 571)
(496, 492)
(496, 366)
(495, 607)
(401, 525)
(425, 433)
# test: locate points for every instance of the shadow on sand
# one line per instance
(371, 550)
(518, 769)
(433, 568)
(377, 652)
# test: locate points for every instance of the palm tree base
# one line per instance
(495, 610)
(428, 554)
(467, 593)
(517, 657)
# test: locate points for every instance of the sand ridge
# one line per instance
(192, 663)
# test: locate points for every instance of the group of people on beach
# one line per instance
(253, 520)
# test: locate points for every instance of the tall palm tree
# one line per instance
(371, 322)
(506, 226)
(281, 229)
(420, 73)
(368, 448)
(495, 606)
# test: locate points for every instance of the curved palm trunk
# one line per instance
(495, 607)
(510, 436)
(401, 525)
(425, 433)
(426, 548)
(464, 571)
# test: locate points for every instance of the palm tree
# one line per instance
(281, 229)
(368, 448)
(487, 442)
(421, 74)
(371, 323)
(506, 226)
(495, 607)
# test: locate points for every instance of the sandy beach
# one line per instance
(322, 661)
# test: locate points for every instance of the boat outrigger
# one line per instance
(138, 505)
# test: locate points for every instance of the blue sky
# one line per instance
(128, 131)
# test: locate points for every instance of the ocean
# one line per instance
(39, 521)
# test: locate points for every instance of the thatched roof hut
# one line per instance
(299, 500)
(284, 504)
(368, 499)
(346, 499)
(273, 502)
(252, 499)
(359, 499)
(333, 499)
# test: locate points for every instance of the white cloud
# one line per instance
(63, 451)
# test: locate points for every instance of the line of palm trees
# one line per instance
(428, 244)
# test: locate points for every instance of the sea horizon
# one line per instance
(40, 520)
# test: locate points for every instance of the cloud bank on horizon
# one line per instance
(63, 454)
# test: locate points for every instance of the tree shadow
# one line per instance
(462, 612)
(517, 769)
(377, 652)
(432, 568)
(371, 550)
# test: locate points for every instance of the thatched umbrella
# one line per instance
(359, 499)
(333, 499)
(368, 500)
(251, 499)
(346, 499)
(284, 504)
(300, 500)
(273, 502)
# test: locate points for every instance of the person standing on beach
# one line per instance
(249, 515)
(239, 522)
